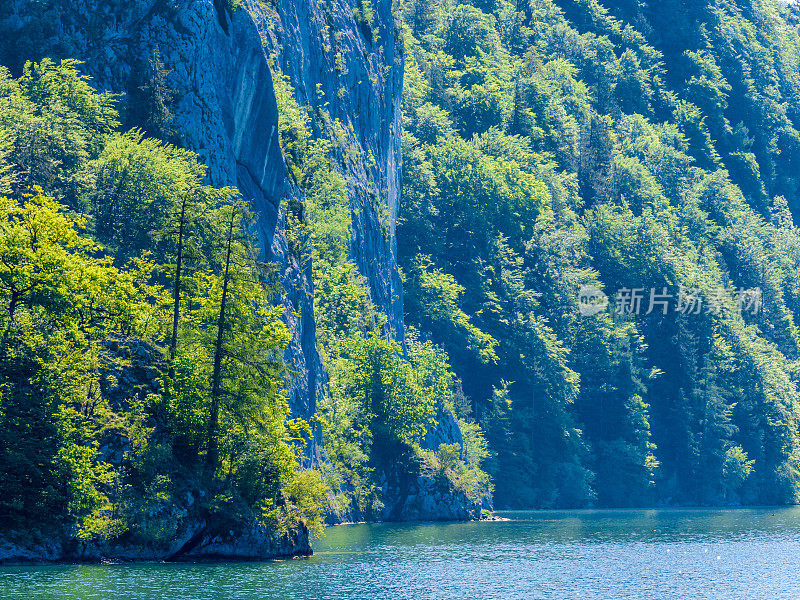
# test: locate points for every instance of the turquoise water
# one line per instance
(580, 555)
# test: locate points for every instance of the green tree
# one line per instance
(60, 301)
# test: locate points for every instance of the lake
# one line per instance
(582, 555)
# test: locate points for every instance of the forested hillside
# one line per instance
(154, 359)
(383, 396)
(648, 149)
(596, 239)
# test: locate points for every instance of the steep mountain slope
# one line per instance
(235, 83)
(646, 151)
(224, 109)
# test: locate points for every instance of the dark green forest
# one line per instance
(550, 149)
(554, 144)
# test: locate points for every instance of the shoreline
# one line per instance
(17, 561)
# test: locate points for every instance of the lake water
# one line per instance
(581, 555)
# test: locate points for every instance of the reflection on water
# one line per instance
(581, 555)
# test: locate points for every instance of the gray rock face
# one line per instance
(430, 500)
(353, 73)
(224, 110)
(424, 497)
(194, 539)
(446, 431)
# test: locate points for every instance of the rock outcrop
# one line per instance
(178, 528)
(348, 69)
(429, 500)
(195, 539)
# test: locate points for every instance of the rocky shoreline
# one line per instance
(195, 542)
(254, 543)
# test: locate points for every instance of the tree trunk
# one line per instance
(176, 293)
(213, 423)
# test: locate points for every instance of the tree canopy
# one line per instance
(551, 146)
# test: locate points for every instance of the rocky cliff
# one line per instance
(216, 63)
(344, 60)
(224, 109)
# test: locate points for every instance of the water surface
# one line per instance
(582, 555)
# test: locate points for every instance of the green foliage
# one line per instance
(293, 130)
(60, 301)
(568, 144)
(49, 266)
(379, 404)
(6, 175)
(470, 30)
(439, 294)
(82, 323)
(384, 386)
(56, 87)
(139, 182)
(53, 123)
(446, 468)
(309, 492)
(365, 19)
(148, 104)
(737, 468)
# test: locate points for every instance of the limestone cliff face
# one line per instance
(344, 59)
(225, 110)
